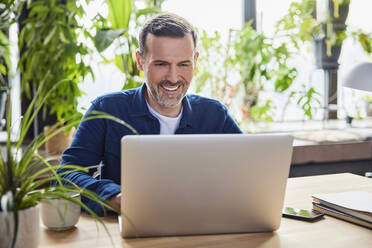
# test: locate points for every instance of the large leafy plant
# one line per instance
(5, 64)
(9, 11)
(259, 61)
(120, 29)
(238, 72)
(51, 52)
(24, 173)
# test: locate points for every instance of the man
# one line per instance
(167, 56)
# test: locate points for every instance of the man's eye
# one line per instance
(184, 65)
(159, 64)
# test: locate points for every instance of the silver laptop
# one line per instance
(203, 184)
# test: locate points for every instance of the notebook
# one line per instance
(203, 184)
(352, 206)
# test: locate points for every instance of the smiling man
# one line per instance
(167, 56)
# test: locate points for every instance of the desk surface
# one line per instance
(329, 232)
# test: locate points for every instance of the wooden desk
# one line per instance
(329, 232)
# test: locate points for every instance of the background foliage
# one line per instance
(301, 26)
(8, 15)
(249, 63)
(117, 31)
(51, 52)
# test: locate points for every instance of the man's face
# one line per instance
(168, 65)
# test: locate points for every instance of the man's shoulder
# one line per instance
(205, 102)
(119, 97)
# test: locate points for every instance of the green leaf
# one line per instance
(119, 13)
(5, 49)
(105, 37)
(308, 6)
(3, 69)
(263, 112)
(50, 35)
(119, 62)
(147, 11)
(38, 10)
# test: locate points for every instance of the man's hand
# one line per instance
(115, 200)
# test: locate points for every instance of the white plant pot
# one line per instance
(28, 228)
(59, 214)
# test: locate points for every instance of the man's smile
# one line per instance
(171, 88)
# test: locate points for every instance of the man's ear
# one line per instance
(196, 56)
(139, 61)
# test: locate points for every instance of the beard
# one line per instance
(168, 100)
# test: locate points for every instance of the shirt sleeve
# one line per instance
(87, 149)
(230, 126)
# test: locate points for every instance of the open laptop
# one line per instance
(203, 184)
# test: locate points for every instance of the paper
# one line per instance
(356, 200)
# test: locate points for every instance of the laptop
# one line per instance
(203, 184)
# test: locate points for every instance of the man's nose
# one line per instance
(172, 74)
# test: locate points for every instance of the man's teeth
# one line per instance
(170, 88)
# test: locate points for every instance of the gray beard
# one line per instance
(160, 99)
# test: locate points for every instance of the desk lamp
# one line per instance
(360, 77)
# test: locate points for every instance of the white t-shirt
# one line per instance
(168, 125)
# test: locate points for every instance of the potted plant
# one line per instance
(259, 61)
(247, 65)
(21, 168)
(322, 25)
(115, 30)
(50, 51)
(327, 49)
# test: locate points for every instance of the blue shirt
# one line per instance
(98, 141)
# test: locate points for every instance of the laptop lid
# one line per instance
(203, 184)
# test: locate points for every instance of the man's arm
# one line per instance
(87, 149)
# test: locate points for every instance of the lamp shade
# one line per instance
(360, 77)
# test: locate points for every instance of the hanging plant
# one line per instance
(301, 25)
